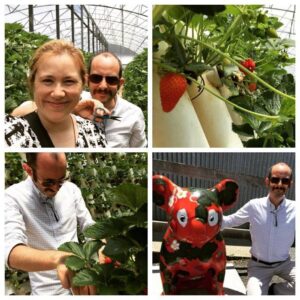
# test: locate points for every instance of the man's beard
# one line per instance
(49, 192)
(279, 190)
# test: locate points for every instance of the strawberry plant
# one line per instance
(125, 244)
(136, 84)
(19, 48)
(242, 44)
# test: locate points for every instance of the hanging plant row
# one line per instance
(221, 73)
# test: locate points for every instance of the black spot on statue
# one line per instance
(219, 236)
(211, 272)
(201, 213)
(187, 251)
(206, 198)
(158, 199)
(179, 275)
(221, 276)
(227, 196)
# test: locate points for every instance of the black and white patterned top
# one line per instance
(18, 133)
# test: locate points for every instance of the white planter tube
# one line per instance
(226, 93)
(236, 118)
(214, 117)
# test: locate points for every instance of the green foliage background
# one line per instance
(114, 187)
(19, 47)
(136, 85)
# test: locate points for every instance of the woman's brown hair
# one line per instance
(56, 47)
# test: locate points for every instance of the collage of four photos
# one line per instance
(175, 171)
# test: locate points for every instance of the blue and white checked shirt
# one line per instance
(272, 230)
(43, 223)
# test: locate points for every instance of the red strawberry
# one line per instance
(107, 260)
(252, 86)
(172, 86)
(249, 64)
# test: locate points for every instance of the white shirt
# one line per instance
(43, 223)
(130, 130)
(270, 243)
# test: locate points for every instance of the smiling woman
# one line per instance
(56, 79)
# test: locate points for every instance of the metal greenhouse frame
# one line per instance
(119, 28)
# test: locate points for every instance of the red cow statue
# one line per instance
(192, 256)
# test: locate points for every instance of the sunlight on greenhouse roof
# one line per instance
(286, 15)
(121, 29)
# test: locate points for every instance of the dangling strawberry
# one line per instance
(172, 87)
(249, 64)
(252, 86)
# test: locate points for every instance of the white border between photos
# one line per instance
(149, 150)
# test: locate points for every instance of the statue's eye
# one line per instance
(213, 217)
(182, 217)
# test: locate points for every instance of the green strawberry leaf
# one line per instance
(91, 247)
(85, 277)
(74, 248)
(74, 263)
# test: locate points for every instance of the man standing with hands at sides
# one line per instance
(272, 229)
(41, 213)
(126, 125)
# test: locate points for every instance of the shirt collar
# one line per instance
(272, 206)
(116, 105)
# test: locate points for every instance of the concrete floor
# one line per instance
(233, 285)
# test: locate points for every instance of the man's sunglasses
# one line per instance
(51, 182)
(111, 80)
(276, 180)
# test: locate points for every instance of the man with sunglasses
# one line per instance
(126, 125)
(41, 213)
(272, 229)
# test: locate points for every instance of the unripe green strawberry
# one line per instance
(271, 32)
(172, 87)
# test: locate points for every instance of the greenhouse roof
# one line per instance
(119, 28)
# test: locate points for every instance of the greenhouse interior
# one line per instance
(121, 29)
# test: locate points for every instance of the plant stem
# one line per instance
(232, 27)
(244, 69)
(172, 69)
(157, 12)
(233, 104)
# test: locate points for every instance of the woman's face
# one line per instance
(57, 86)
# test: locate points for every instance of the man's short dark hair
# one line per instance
(31, 158)
(106, 54)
